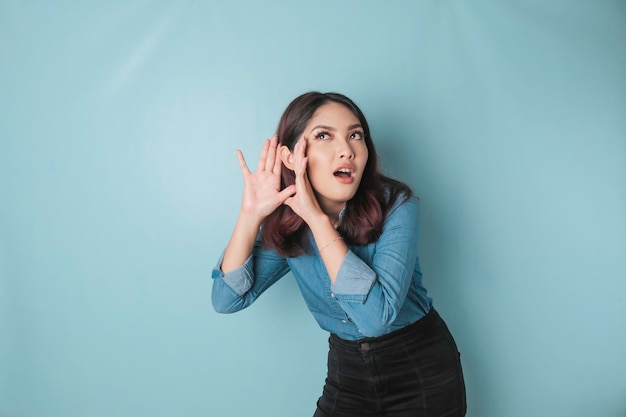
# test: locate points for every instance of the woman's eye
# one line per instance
(322, 136)
(357, 135)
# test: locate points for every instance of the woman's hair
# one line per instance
(362, 221)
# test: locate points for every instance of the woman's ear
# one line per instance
(287, 157)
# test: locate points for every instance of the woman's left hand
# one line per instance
(303, 202)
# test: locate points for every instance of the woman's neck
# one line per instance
(334, 215)
(332, 209)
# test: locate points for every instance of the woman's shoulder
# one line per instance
(402, 214)
(408, 204)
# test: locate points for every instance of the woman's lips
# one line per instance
(345, 174)
(345, 179)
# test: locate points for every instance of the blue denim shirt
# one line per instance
(378, 288)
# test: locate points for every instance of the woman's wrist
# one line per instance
(250, 221)
(319, 222)
(241, 242)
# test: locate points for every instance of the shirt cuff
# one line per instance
(239, 279)
(354, 280)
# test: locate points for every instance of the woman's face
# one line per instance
(337, 155)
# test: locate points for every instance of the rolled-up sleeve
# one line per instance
(239, 288)
(240, 280)
(354, 280)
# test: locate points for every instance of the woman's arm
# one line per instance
(372, 295)
(240, 287)
(261, 196)
(332, 249)
(235, 273)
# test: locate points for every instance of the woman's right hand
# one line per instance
(261, 190)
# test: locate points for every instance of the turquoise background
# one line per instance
(119, 187)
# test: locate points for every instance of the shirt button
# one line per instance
(344, 321)
(365, 347)
(332, 294)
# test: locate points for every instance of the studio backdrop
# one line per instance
(119, 187)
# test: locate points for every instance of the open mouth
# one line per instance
(343, 173)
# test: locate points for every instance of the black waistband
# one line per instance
(374, 343)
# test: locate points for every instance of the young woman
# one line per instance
(318, 206)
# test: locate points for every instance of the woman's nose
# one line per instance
(346, 151)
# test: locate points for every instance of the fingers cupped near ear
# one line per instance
(288, 192)
(271, 154)
(277, 164)
(300, 164)
(263, 156)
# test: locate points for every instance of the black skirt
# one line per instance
(414, 371)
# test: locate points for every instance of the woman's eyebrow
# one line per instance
(324, 127)
(354, 126)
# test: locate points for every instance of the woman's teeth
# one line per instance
(343, 172)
